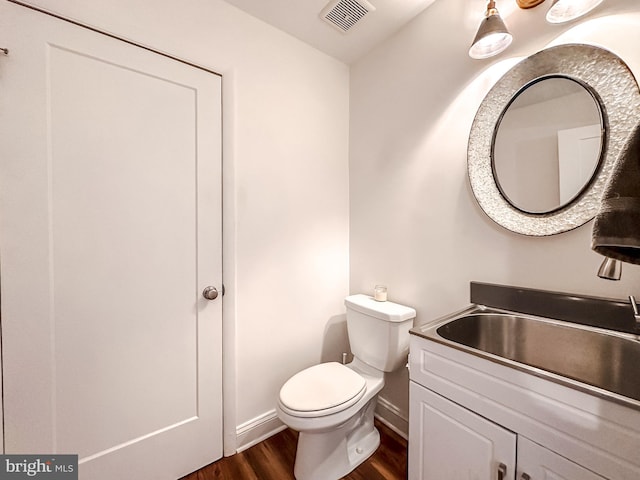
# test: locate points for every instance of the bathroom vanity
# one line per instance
(493, 406)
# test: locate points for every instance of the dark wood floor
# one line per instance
(273, 460)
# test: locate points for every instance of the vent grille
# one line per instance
(344, 14)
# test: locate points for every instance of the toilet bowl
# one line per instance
(336, 439)
(332, 405)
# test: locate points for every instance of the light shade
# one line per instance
(492, 37)
(610, 269)
(566, 10)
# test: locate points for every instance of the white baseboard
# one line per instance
(392, 417)
(260, 428)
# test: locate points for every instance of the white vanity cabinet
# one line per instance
(450, 442)
(475, 419)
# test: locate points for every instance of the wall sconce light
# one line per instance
(493, 37)
(566, 10)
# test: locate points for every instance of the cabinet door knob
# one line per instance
(502, 471)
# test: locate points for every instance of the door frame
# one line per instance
(229, 386)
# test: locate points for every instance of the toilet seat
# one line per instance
(321, 390)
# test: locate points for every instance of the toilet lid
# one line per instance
(321, 387)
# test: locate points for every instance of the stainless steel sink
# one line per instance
(591, 356)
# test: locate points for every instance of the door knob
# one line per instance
(210, 293)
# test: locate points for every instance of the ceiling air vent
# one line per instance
(344, 14)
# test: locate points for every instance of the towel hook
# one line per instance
(4, 50)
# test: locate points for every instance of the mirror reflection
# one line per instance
(547, 144)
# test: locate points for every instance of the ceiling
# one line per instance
(302, 19)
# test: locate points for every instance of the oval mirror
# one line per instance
(513, 153)
(547, 144)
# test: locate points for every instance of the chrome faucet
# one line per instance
(636, 313)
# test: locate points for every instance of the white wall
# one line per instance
(414, 223)
(286, 185)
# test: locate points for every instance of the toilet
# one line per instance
(331, 405)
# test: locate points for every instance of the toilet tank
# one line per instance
(379, 331)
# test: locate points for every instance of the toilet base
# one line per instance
(330, 455)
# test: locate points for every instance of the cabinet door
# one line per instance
(538, 463)
(447, 441)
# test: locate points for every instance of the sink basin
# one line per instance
(607, 361)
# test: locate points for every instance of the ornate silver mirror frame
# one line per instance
(611, 83)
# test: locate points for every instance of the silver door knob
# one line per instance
(210, 293)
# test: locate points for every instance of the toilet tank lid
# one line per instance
(388, 311)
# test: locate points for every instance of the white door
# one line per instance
(447, 441)
(538, 463)
(110, 229)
